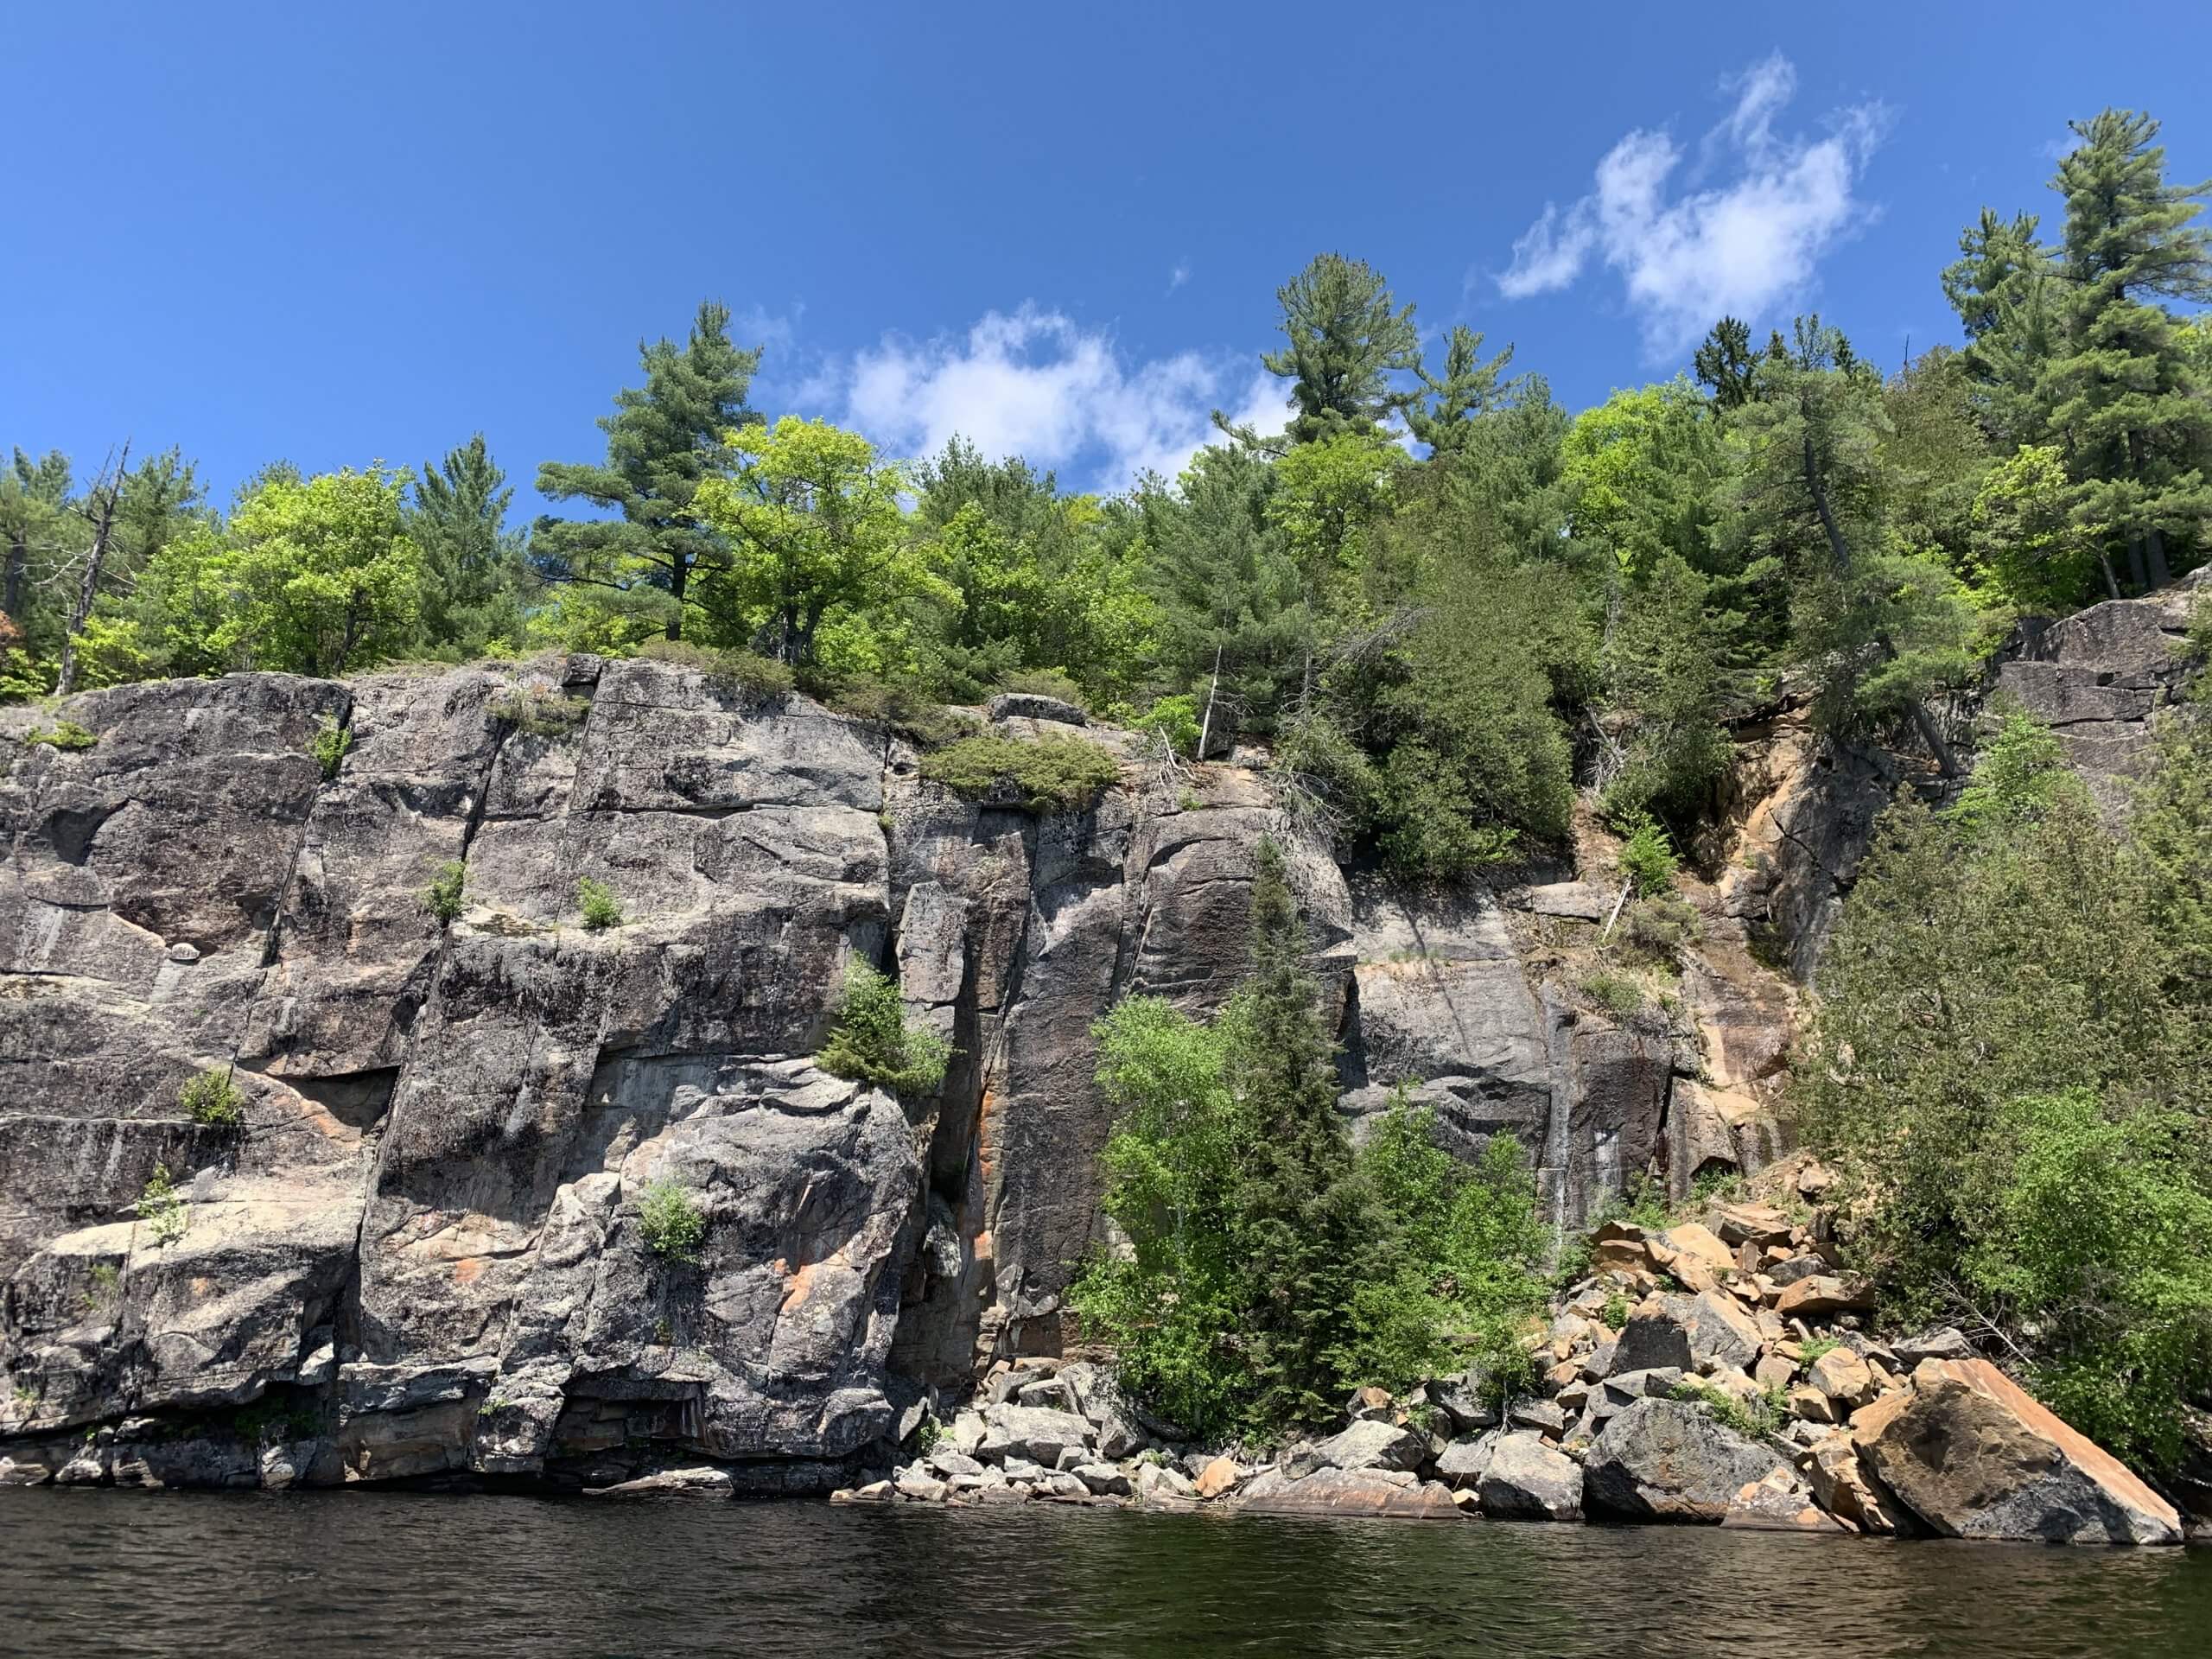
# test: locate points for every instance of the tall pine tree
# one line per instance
(2124, 400)
(662, 439)
(473, 568)
(1346, 339)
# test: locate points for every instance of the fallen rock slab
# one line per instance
(1822, 1295)
(1350, 1491)
(1777, 1503)
(1974, 1455)
(1372, 1445)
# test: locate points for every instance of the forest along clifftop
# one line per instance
(416, 1242)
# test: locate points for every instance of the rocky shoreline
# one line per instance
(1740, 1388)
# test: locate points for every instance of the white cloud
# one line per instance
(1179, 276)
(1036, 383)
(1745, 245)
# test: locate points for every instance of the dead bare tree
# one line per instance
(97, 510)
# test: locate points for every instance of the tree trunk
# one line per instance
(2138, 572)
(2154, 543)
(88, 587)
(1205, 726)
(2111, 581)
(19, 561)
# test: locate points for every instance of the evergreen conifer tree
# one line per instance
(663, 439)
(471, 564)
(1468, 390)
(2124, 398)
(1346, 340)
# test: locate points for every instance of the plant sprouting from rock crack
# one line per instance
(871, 1039)
(162, 1208)
(443, 898)
(600, 905)
(211, 1098)
(668, 1218)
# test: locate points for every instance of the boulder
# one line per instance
(1350, 1491)
(1219, 1477)
(1720, 1332)
(1545, 1415)
(1699, 1244)
(1946, 1342)
(1035, 705)
(1527, 1480)
(1811, 1402)
(1760, 1224)
(1845, 1378)
(1102, 1479)
(1372, 1445)
(1036, 1433)
(1654, 1336)
(1466, 1400)
(1777, 1502)
(1823, 1296)
(1831, 1467)
(1669, 1460)
(1462, 1463)
(1976, 1456)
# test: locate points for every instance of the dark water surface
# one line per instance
(89, 1573)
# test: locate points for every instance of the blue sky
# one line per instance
(265, 232)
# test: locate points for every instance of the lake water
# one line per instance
(92, 1573)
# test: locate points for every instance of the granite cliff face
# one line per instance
(419, 1254)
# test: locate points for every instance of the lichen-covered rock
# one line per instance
(1348, 1491)
(1525, 1479)
(1670, 1460)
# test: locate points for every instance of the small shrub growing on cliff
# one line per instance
(1052, 774)
(672, 1223)
(871, 1041)
(600, 905)
(210, 1097)
(1617, 994)
(443, 898)
(66, 734)
(102, 1287)
(1648, 855)
(1176, 721)
(162, 1209)
(332, 742)
(537, 712)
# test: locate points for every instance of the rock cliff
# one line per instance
(418, 1254)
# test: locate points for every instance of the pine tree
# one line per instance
(663, 439)
(1883, 629)
(1346, 340)
(1468, 390)
(471, 564)
(2124, 400)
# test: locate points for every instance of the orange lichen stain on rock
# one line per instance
(986, 1135)
(467, 1270)
(202, 1287)
(801, 1285)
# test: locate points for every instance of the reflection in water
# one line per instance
(93, 1573)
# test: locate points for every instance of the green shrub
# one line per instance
(1756, 1417)
(1617, 1311)
(210, 1097)
(1050, 774)
(1662, 926)
(1617, 994)
(1648, 855)
(443, 898)
(65, 734)
(600, 905)
(762, 678)
(1176, 720)
(1814, 1347)
(332, 742)
(535, 711)
(871, 1040)
(162, 1208)
(672, 1223)
(928, 1434)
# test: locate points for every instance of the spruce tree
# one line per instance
(663, 439)
(2125, 400)
(1346, 338)
(1724, 363)
(1304, 1220)
(472, 566)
